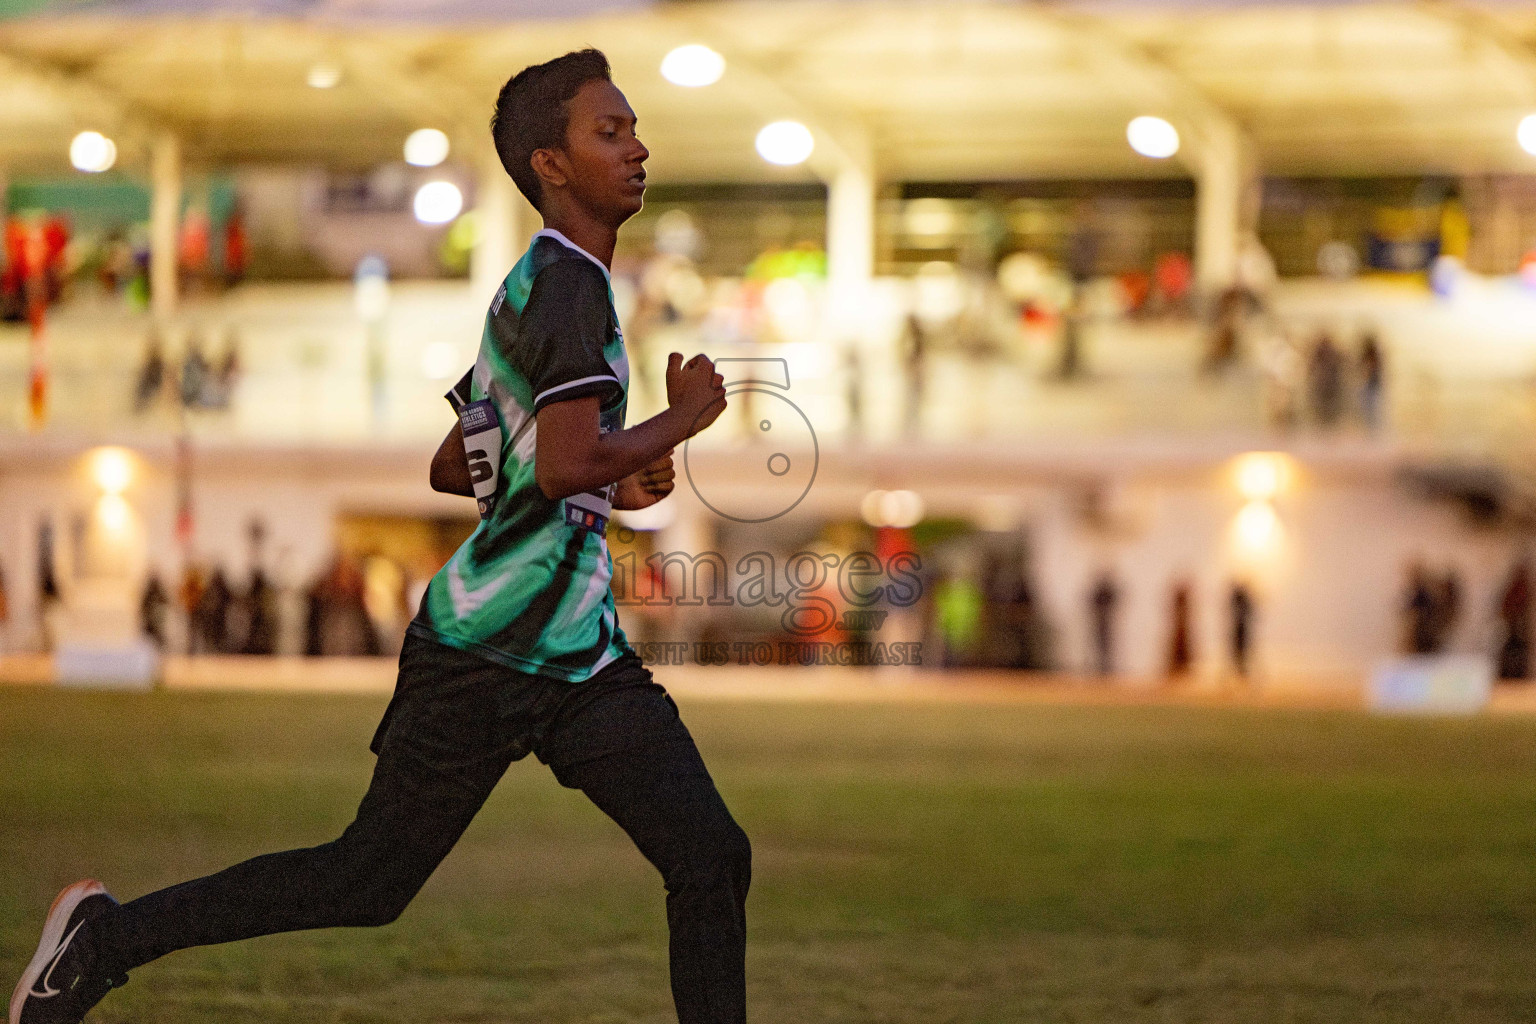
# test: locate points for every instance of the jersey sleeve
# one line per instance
(458, 395)
(563, 329)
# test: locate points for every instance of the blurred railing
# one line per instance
(303, 377)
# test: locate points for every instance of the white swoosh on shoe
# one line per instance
(52, 944)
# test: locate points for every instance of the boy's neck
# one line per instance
(596, 238)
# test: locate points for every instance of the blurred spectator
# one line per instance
(1102, 601)
(220, 384)
(1172, 275)
(1515, 624)
(210, 617)
(194, 243)
(1325, 381)
(1021, 635)
(1180, 639)
(1083, 244)
(49, 600)
(1372, 376)
(915, 347)
(260, 600)
(236, 248)
(1221, 348)
(55, 241)
(1421, 633)
(852, 392)
(151, 374)
(153, 605)
(338, 622)
(1242, 627)
(191, 595)
(13, 278)
(1069, 365)
(1282, 367)
(1447, 610)
(116, 262)
(194, 372)
(957, 603)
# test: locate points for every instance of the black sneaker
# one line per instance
(58, 987)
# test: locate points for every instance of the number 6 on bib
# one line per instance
(482, 448)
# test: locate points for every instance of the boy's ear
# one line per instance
(550, 167)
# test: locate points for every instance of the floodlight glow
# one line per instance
(1260, 476)
(323, 76)
(426, 147)
(869, 508)
(113, 513)
(693, 66)
(92, 152)
(901, 508)
(1153, 137)
(1526, 133)
(1257, 527)
(438, 202)
(785, 143)
(112, 469)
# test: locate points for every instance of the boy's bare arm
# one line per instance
(572, 455)
(450, 466)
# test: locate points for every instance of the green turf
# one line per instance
(913, 863)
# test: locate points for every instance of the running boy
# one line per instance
(516, 648)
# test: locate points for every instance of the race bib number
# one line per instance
(482, 448)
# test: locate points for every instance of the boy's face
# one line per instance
(605, 156)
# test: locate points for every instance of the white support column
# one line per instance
(1225, 176)
(507, 222)
(164, 223)
(850, 244)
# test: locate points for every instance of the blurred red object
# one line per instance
(1135, 286)
(1174, 273)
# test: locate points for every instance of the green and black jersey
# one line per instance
(530, 587)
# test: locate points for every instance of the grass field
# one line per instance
(913, 862)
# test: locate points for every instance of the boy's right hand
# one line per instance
(695, 389)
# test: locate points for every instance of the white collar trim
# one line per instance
(557, 236)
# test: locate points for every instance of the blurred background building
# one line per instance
(1179, 339)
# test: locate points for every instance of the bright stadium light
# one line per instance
(426, 147)
(1526, 133)
(438, 202)
(1153, 137)
(1257, 527)
(1261, 476)
(112, 469)
(693, 66)
(92, 152)
(323, 76)
(785, 143)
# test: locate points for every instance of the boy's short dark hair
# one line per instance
(531, 111)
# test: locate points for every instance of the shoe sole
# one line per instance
(64, 905)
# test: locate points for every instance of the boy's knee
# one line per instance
(736, 850)
(374, 910)
(723, 852)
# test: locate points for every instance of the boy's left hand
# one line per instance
(647, 487)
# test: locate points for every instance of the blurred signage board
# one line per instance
(133, 666)
(1433, 684)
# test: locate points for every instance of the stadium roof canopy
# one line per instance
(938, 90)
